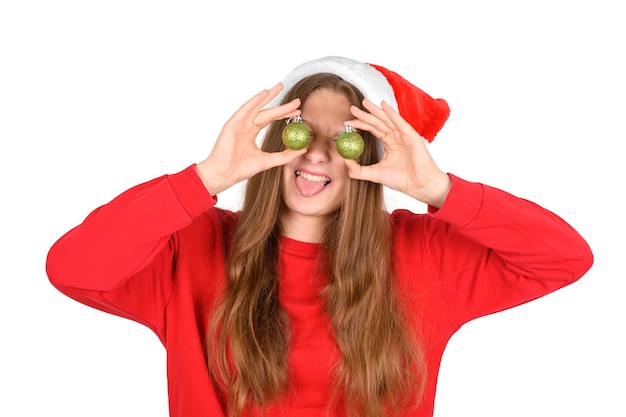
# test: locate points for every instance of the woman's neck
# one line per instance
(303, 228)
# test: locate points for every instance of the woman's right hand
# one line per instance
(236, 156)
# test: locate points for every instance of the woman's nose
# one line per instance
(318, 150)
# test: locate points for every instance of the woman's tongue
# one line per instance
(307, 187)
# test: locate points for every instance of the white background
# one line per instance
(98, 96)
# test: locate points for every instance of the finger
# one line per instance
(272, 93)
(370, 121)
(398, 121)
(362, 172)
(381, 115)
(283, 111)
(257, 102)
(274, 159)
(365, 121)
(379, 124)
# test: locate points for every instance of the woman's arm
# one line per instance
(488, 249)
(121, 259)
(491, 250)
(122, 237)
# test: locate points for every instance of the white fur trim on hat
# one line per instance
(371, 82)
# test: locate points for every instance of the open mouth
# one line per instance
(310, 184)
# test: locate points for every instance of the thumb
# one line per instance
(362, 172)
(274, 159)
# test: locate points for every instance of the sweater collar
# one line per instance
(302, 249)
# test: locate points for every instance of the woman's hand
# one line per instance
(406, 166)
(236, 156)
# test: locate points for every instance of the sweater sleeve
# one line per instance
(131, 236)
(492, 250)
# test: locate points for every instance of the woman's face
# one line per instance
(313, 184)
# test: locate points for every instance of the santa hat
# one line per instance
(427, 115)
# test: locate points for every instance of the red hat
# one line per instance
(427, 115)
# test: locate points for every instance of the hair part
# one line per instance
(382, 368)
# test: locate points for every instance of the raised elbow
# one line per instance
(582, 260)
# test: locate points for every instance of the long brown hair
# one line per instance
(381, 368)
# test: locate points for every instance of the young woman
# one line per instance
(313, 300)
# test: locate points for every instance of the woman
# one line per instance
(313, 300)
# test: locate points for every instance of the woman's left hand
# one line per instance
(406, 166)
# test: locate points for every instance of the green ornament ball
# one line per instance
(296, 135)
(350, 145)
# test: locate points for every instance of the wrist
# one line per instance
(437, 190)
(214, 184)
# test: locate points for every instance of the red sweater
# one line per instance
(155, 254)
